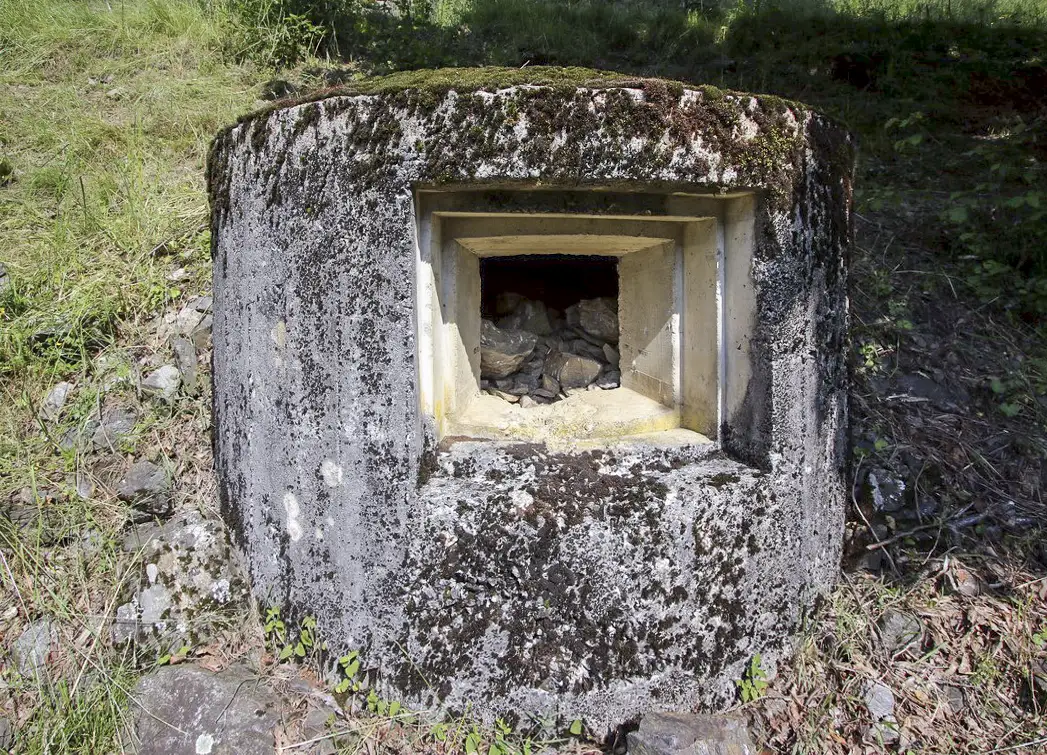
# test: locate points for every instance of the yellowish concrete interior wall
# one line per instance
(739, 311)
(700, 357)
(648, 322)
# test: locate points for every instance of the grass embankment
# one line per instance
(106, 111)
(105, 119)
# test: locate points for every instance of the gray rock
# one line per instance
(192, 320)
(899, 630)
(883, 732)
(611, 355)
(954, 698)
(529, 315)
(202, 303)
(503, 351)
(886, 491)
(550, 385)
(7, 737)
(154, 603)
(147, 488)
(526, 402)
(571, 370)
(691, 734)
(52, 405)
(597, 317)
(163, 383)
(192, 583)
(141, 535)
(201, 334)
(185, 360)
(525, 383)
(30, 651)
(879, 700)
(965, 582)
(185, 710)
(91, 542)
(609, 380)
(85, 488)
(510, 397)
(125, 626)
(585, 348)
(115, 425)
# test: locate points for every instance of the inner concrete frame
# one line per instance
(672, 314)
(521, 579)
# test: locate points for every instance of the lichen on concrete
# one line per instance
(511, 579)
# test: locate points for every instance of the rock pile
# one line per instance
(532, 354)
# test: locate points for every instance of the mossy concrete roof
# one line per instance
(441, 80)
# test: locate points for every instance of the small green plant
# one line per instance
(473, 740)
(753, 684)
(274, 629)
(500, 745)
(381, 706)
(1005, 392)
(350, 666)
(276, 638)
(1039, 639)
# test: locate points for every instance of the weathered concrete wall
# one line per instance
(594, 585)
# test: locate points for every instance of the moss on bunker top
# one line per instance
(442, 80)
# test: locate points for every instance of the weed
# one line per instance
(753, 684)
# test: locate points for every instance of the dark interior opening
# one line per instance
(549, 326)
(558, 280)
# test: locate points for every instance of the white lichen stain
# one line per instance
(279, 334)
(204, 744)
(522, 501)
(220, 591)
(294, 527)
(332, 473)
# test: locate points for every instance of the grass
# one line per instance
(106, 112)
(105, 116)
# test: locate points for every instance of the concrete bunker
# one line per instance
(604, 561)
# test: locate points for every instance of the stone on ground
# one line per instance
(163, 383)
(52, 405)
(691, 734)
(185, 710)
(597, 317)
(147, 488)
(193, 582)
(185, 360)
(571, 370)
(115, 425)
(503, 351)
(879, 700)
(899, 630)
(31, 650)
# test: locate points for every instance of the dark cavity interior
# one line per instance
(558, 280)
(549, 326)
